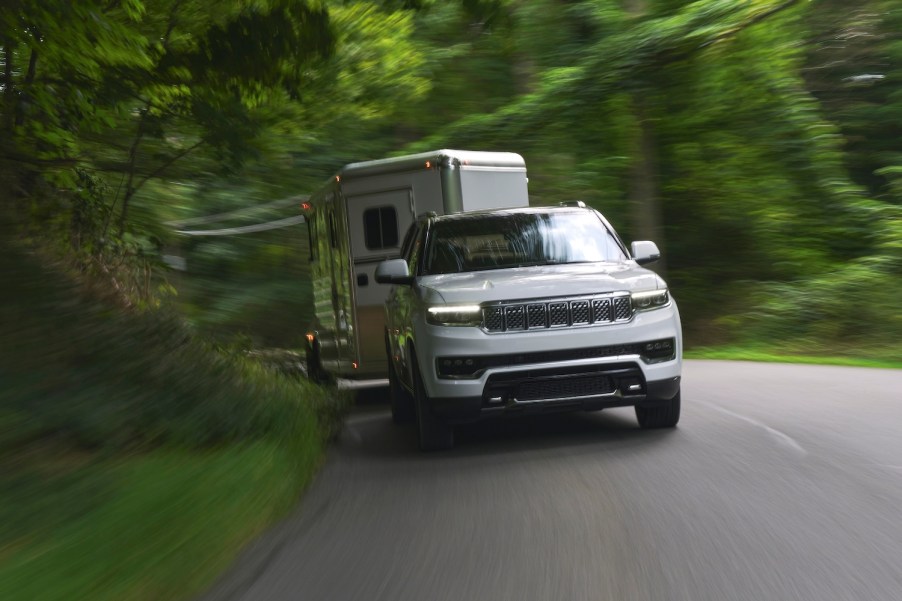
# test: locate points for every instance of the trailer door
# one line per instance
(376, 223)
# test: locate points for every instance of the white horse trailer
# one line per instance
(359, 218)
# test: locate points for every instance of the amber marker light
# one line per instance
(310, 337)
(428, 164)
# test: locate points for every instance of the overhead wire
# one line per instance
(282, 202)
(247, 229)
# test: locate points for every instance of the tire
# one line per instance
(315, 371)
(665, 415)
(435, 435)
(402, 410)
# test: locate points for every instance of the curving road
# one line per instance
(781, 482)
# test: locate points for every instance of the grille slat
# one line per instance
(601, 310)
(579, 312)
(537, 316)
(515, 317)
(493, 318)
(557, 314)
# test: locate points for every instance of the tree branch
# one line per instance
(159, 170)
(753, 21)
(28, 160)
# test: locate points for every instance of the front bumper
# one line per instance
(579, 383)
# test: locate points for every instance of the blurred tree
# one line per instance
(755, 141)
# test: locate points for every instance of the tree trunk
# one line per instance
(25, 88)
(644, 188)
(644, 185)
(9, 90)
(132, 160)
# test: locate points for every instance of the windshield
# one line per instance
(518, 240)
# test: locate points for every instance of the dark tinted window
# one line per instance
(409, 238)
(380, 228)
(519, 240)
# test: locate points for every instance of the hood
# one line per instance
(546, 281)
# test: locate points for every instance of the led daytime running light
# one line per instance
(455, 315)
(651, 299)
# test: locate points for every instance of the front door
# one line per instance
(376, 223)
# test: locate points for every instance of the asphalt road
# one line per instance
(781, 482)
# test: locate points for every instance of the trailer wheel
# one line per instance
(315, 371)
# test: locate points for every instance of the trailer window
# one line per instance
(380, 228)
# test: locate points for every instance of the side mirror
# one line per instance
(393, 271)
(645, 252)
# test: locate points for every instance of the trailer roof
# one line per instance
(409, 162)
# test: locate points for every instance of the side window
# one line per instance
(380, 228)
(409, 237)
(416, 247)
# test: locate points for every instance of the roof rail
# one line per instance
(573, 203)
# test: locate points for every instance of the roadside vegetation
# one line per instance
(135, 460)
(878, 358)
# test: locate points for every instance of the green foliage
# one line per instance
(760, 134)
(77, 367)
(162, 525)
(749, 169)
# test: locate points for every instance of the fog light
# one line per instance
(459, 367)
(658, 350)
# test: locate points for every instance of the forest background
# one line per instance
(756, 141)
(154, 154)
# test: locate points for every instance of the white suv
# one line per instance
(508, 312)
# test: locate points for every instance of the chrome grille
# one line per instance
(557, 313)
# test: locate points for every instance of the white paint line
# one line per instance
(780, 436)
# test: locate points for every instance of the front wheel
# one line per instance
(665, 415)
(435, 435)
(402, 409)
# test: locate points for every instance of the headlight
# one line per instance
(652, 299)
(454, 315)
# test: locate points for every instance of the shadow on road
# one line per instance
(370, 432)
